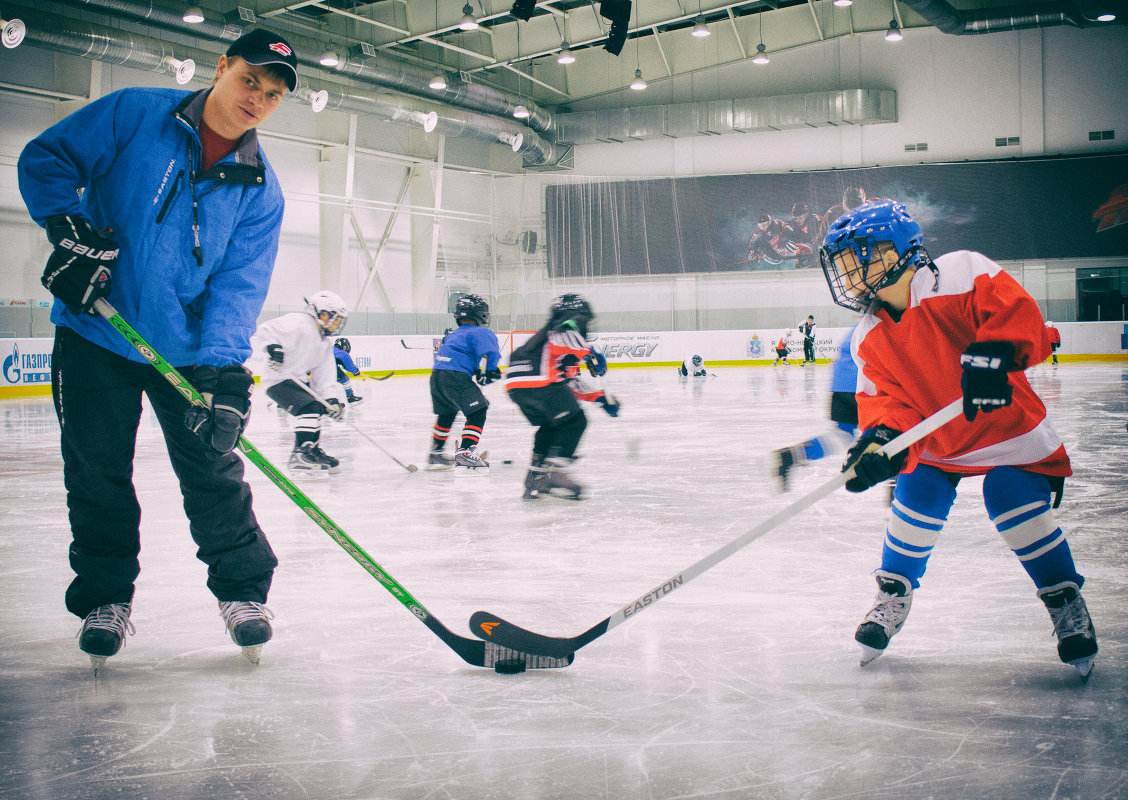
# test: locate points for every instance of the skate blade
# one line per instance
(252, 653)
(1084, 669)
(869, 655)
(471, 472)
(97, 662)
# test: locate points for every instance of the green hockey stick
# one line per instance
(470, 650)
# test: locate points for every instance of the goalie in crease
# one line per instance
(930, 331)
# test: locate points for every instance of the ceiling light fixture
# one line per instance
(566, 56)
(193, 15)
(329, 58)
(468, 22)
(844, 3)
(700, 30)
(638, 84)
(521, 112)
(761, 56)
(438, 81)
(1107, 16)
(894, 33)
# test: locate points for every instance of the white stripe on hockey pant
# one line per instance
(1007, 515)
(307, 423)
(1044, 548)
(1026, 533)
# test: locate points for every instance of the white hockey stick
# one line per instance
(493, 628)
(373, 442)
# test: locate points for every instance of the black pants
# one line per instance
(98, 400)
(808, 349)
(559, 419)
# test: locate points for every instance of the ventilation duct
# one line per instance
(1006, 18)
(381, 71)
(742, 115)
(113, 46)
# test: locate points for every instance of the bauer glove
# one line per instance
(596, 363)
(276, 357)
(227, 392)
(985, 384)
(870, 467)
(610, 404)
(79, 271)
(487, 377)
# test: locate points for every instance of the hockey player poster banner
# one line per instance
(1010, 210)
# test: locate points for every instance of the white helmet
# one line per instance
(329, 310)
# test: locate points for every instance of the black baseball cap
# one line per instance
(261, 47)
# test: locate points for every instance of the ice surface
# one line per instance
(742, 684)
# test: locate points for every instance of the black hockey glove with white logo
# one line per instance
(871, 467)
(276, 357)
(227, 391)
(985, 383)
(487, 377)
(79, 271)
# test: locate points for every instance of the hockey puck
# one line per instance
(510, 666)
(507, 461)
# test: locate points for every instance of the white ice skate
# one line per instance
(889, 612)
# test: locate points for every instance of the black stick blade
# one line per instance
(493, 628)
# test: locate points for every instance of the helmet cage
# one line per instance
(862, 232)
(330, 312)
(572, 307)
(343, 344)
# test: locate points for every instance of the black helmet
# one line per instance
(572, 307)
(473, 308)
(343, 344)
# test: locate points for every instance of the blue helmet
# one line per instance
(861, 230)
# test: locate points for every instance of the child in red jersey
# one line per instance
(931, 330)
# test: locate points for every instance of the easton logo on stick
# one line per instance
(488, 627)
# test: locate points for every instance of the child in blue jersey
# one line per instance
(457, 365)
(843, 413)
(342, 350)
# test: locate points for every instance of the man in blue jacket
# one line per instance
(162, 202)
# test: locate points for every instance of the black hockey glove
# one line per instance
(487, 377)
(870, 467)
(334, 409)
(596, 363)
(985, 383)
(610, 404)
(227, 391)
(276, 357)
(79, 271)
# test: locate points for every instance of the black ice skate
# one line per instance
(436, 460)
(782, 463)
(103, 632)
(249, 625)
(308, 457)
(355, 399)
(559, 481)
(889, 612)
(1077, 639)
(468, 462)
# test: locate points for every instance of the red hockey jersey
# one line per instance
(909, 369)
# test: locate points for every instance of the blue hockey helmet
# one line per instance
(852, 250)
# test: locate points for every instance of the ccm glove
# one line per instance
(610, 404)
(871, 467)
(227, 391)
(488, 376)
(985, 383)
(275, 356)
(596, 363)
(334, 409)
(78, 272)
